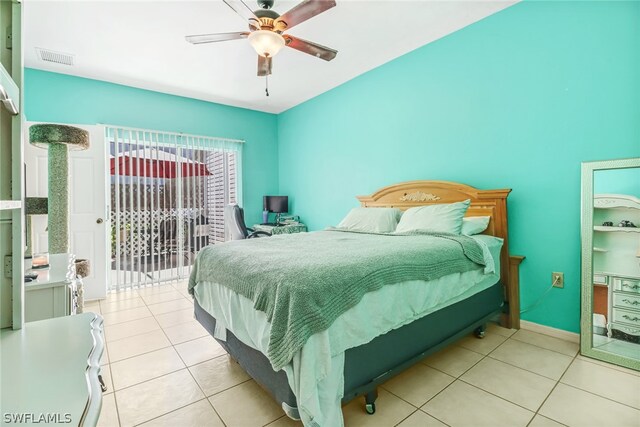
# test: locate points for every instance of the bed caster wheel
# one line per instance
(479, 332)
(370, 408)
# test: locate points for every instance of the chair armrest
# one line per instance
(258, 234)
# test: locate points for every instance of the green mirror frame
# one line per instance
(586, 312)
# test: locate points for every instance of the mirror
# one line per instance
(610, 316)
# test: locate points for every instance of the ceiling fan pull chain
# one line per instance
(266, 89)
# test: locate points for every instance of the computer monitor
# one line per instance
(276, 204)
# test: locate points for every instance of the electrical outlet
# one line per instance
(8, 266)
(557, 280)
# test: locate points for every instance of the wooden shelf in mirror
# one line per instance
(622, 229)
(612, 201)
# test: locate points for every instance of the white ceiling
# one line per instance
(141, 44)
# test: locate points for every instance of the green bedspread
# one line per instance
(303, 282)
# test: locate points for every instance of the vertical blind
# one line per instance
(168, 193)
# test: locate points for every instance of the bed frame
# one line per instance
(492, 203)
(369, 365)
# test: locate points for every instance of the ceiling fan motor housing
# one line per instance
(267, 18)
(266, 4)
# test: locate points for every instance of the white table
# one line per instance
(51, 368)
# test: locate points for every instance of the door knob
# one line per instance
(99, 221)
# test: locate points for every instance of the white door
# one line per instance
(88, 213)
(88, 210)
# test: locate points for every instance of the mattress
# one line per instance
(315, 374)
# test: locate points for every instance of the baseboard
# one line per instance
(548, 330)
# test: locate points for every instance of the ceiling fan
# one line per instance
(266, 28)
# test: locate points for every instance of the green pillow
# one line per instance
(371, 220)
(444, 218)
(474, 225)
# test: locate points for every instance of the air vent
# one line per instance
(55, 57)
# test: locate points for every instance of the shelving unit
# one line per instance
(48, 366)
(615, 256)
(11, 165)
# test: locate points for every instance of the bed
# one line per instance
(367, 344)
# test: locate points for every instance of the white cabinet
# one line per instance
(624, 300)
(54, 292)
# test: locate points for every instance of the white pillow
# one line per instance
(371, 220)
(445, 218)
(475, 225)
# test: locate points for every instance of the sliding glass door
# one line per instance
(168, 193)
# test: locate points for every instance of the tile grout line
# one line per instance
(405, 418)
(544, 348)
(173, 347)
(603, 397)
(479, 388)
(446, 373)
(499, 397)
(525, 369)
(422, 361)
(186, 367)
(162, 415)
(216, 412)
(528, 370)
(154, 330)
(203, 392)
(191, 374)
(456, 379)
(622, 369)
(115, 401)
(161, 328)
(551, 392)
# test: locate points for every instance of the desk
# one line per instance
(283, 229)
(52, 367)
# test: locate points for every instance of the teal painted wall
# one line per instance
(61, 98)
(517, 100)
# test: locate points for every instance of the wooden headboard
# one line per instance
(492, 203)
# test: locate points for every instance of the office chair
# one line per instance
(234, 223)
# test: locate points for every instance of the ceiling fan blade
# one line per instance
(311, 48)
(264, 65)
(303, 11)
(212, 38)
(243, 10)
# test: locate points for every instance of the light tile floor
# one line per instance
(163, 369)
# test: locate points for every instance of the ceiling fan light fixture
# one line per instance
(266, 43)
